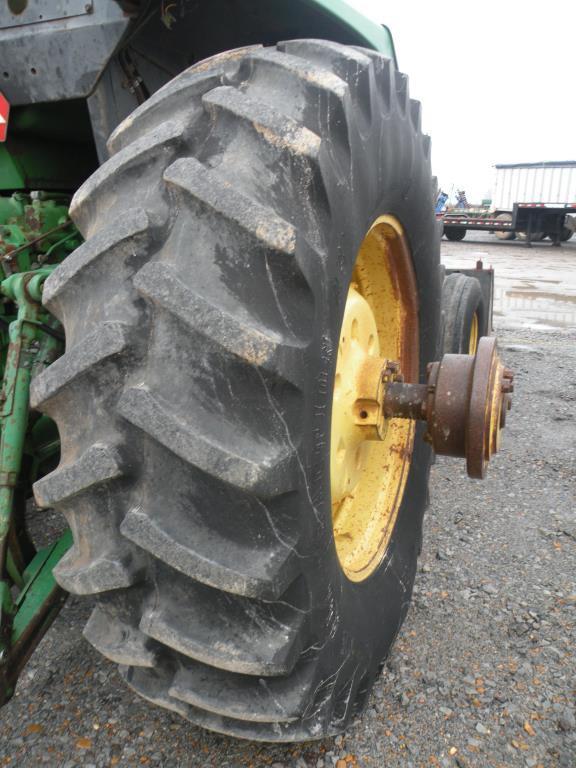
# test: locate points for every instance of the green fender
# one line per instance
(51, 144)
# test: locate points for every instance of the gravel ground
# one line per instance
(483, 672)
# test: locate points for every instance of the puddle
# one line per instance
(533, 288)
(535, 308)
(518, 293)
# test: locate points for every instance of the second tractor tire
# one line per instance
(464, 314)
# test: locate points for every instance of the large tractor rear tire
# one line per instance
(205, 316)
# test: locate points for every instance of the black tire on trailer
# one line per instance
(503, 234)
(464, 314)
(454, 233)
(202, 320)
(565, 235)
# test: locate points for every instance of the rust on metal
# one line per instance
(463, 403)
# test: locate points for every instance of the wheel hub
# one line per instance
(464, 403)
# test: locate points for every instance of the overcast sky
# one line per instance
(497, 81)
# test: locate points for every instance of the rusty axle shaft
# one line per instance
(405, 401)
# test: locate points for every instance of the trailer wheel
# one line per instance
(505, 235)
(464, 314)
(535, 237)
(565, 235)
(454, 233)
(264, 217)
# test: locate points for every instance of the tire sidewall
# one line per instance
(462, 299)
(369, 614)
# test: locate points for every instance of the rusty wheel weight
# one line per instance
(467, 400)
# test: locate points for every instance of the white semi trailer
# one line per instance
(530, 200)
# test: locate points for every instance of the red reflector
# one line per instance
(4, 112)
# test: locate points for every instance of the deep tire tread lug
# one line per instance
(266, 472)
(274, 128)
(216, 194)
(116, 570)
(119, 640)
(107, 341)
(98, 465)
(242, 338)
(264, 575)
(118, 241)
(175, 97)
(241, 697)
(254, 638)
(144, 153)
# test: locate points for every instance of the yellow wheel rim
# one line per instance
(473, 342)
(367, 474)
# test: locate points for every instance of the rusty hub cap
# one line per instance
(464, 403)
(468, 397)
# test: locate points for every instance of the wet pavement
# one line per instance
(535, 287)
